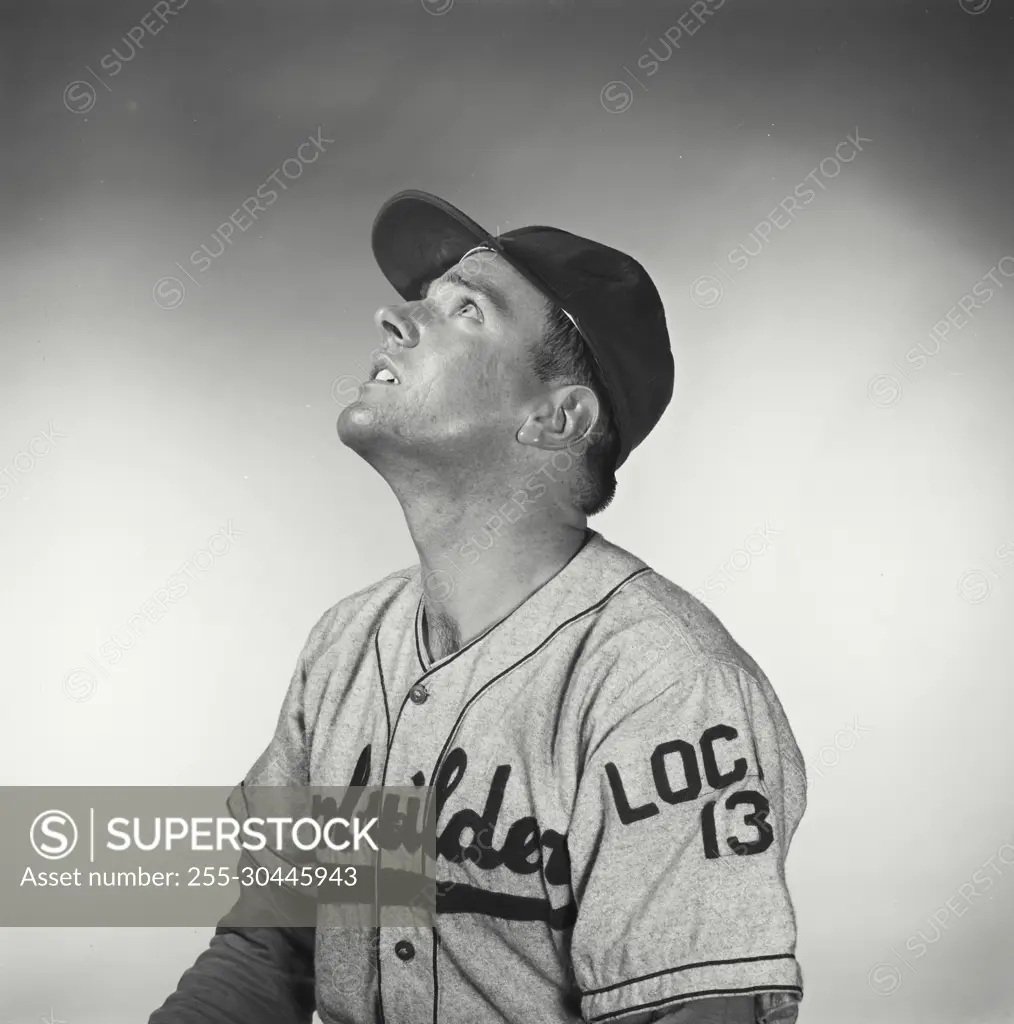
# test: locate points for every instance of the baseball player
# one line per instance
(615, 781)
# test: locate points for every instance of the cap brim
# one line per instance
(417, 236)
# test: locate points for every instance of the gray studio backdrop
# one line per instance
(821, 192)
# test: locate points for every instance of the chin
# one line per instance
(358, 427)
(368, 432)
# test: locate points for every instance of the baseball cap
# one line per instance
(606, 294)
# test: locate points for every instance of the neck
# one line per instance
(481, 559)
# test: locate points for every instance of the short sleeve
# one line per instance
(284, 763)
(690, 792)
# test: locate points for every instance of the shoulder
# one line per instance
(651, 622)
(342, 634)
(353, 620)
(659, 673)
(654, 654)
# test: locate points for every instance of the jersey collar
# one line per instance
(585, 581)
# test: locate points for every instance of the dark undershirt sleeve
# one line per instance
(246, 975)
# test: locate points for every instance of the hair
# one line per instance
(563, 358)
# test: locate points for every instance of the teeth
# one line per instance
(386, 376)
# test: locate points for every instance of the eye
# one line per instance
(469, 304)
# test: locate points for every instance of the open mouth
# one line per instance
(384, 376)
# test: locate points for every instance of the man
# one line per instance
(616, 782)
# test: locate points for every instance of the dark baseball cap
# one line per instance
(607, 294)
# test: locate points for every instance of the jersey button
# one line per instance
(418, 694)
(404, 950)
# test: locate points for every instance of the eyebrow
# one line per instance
(494, 295)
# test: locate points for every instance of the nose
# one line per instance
(397, 326)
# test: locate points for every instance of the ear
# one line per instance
(562, 417)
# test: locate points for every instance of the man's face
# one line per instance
(461, 359)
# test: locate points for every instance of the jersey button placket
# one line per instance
(418, 694)
(406, 976)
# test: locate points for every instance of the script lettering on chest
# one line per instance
(479, 801)
(398, 819)
(522, 850)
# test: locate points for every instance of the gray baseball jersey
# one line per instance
(616, 787)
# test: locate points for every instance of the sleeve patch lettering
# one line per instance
(742, 827)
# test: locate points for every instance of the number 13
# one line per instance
(757, 818)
